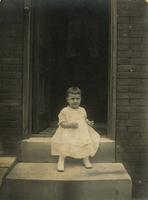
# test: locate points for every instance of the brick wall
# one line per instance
(132, 91)
(11, 55)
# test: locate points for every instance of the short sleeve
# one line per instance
(84, 112)
(62, 116)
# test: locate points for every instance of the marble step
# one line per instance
(37, 149)
(41, 181)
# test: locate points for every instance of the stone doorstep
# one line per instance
(48, 139)
(41, 181)
(37, 149)
(7, 161)
(6, 164)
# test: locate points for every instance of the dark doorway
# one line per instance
(71, 41)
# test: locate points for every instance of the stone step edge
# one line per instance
(48, 140)
(73, 172)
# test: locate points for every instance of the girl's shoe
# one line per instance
(87, 163)
(60, 165)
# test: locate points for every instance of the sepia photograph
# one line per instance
(73, 99)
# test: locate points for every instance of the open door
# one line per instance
(79, 37)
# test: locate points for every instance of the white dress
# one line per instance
(77, 143)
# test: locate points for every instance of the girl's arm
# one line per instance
(90, 123)
(65, 124)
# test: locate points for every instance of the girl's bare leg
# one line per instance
(87, 162)
(60, 165)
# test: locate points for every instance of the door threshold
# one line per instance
(48, 132)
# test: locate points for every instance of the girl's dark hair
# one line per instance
(73, 90)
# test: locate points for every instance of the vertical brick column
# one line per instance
(11, 57)
(132, 91)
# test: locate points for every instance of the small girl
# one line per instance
(74, 137)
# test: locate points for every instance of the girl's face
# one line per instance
(74, 100)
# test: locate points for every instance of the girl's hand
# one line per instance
(74, 125)
(90, 123)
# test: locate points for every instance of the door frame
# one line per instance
(112, 72)
(27, 70)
